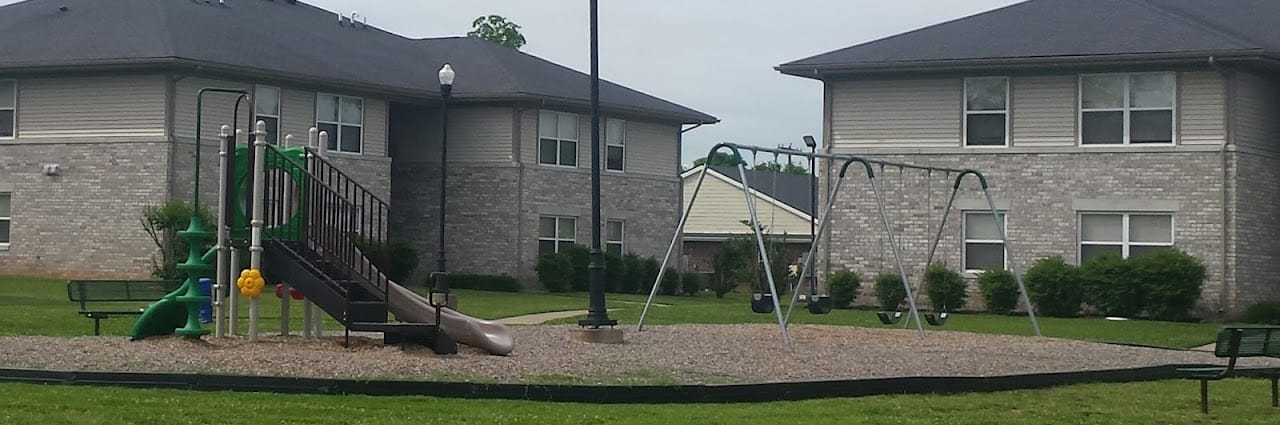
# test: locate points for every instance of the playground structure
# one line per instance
(824, 220)
(305, 225)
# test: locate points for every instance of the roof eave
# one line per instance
(684, 118)
(822, 71)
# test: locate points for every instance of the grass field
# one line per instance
(1170, 402)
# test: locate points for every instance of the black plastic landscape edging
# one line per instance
(736, 393)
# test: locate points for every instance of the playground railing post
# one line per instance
(221, 275)
(255, 223)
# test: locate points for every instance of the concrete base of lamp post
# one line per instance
(596, 336)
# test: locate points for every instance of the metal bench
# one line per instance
(1234, 343)
(103, 299)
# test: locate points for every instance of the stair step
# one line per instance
(399, 328)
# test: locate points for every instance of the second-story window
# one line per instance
(266, 108)
(343, 118)
(1122, 109)
(616, 141)
(8, 108)
(558, 139)
(986, 111)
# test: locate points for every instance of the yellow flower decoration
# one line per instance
(251, 283)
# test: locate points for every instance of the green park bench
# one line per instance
(1233, 343)
(103, 299)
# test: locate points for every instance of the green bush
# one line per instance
(999, 290)
(1054, 287)
(483, 282)
(614, 272)
(691, 283)
(580, 257)
(889, 291)
(1110, 286)
(670, 282)
(555, 272)
(162, 223)
(648, 273)
(730, 263)
(395, 259)
(1171, 280)
(946, 288)
(1263, 313)
(632, 266)
(843, 287)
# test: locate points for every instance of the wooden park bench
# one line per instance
(1234, 343)
(103, 299)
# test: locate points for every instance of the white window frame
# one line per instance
(339, 123)
(14, 108)
(1008, 103)
(1126, 109)
(557, 238)
(4, 245)
(965, 241)
(609, 144)
(1124, 243)
(621, 243)
(577, 142)
(279, 107)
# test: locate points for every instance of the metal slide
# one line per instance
(408, 306)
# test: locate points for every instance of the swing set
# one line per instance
(824, 220)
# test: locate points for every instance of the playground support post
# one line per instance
(823, 221)
(897, 255)
(671, 248)
(233, 319)
(764, 255)
(255, 223)
(220, 285)
(1013, 263)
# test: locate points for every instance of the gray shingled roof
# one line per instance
(790, 189)
(277, 39)
(1051, 32)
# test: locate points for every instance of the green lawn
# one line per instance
(1234, 401)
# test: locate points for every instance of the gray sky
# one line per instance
(716, 56)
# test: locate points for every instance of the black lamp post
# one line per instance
(597, 313)
(813, 203)
(441, 281)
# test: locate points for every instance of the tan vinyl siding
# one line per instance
(218, 107)
(896, 113)
(1044, 111)
(297, 113)
(1257, 113)
(528, 143)
(121, 106)
(375, 127)
(721, 207)
(651, 148)
(479, 135)
(1202, 111)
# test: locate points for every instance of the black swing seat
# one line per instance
(762, 303)
(938, 320)
(889, 320)
(819, 304)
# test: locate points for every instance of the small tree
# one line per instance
(720, 159)
(999, 290)
(843, 286)
(889, 291)
(730, 264)
(499, 30)
(1054, 287)
(162, 223)
(946, 288)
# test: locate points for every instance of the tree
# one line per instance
(720, 159)
(777, 167)
(499, 30)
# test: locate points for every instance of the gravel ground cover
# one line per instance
(660, 355)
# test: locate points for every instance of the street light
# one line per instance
(597, 313)
(440, 278)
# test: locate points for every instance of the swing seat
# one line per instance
(889, 320)
(939, 320)
(819, 304)
(762, 303)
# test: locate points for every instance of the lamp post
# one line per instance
(597, 314)
(440, 279)
(813, 204)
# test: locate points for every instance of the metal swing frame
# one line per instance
(825, 220)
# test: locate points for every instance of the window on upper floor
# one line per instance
(343, 118)
(556, 234)
(1123, 109)
(6, 212)
(558, 139)
(8, 108)
(983, 246)
(616, 142)
(1126, 235)
(266, 108)
(613, 236)
(986, 112)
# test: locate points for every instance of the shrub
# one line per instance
(632, 266)
(1109, 286)
(730, 263)
(999, 290)
(946, 288)
(555, 272)
(580, 258)
(889, 291)
(1171, 280)
(162, 223)
(395, 259)
(648, 273)
(1263, 313)
(1054, 287)
(691, 283)
(482, 282)
(614, 272)
(670, 282)
(843, 287)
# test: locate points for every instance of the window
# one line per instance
(558, 139)
(986, 112)
(616, 141)
(556, 234)
(1121, 109)
(266, 107)
(5, 216)
(1127, 235)
(613, 237)
(983, 246)
(8, 108)
(343, 118)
